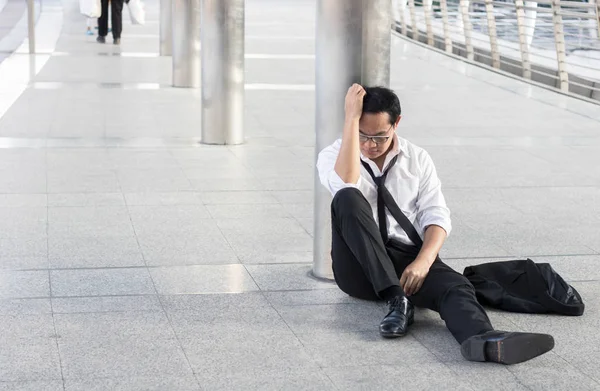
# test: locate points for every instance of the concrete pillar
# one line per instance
(353, 46)
(186, 43)
(222, 71)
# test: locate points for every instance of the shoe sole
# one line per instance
(396, 335)
(514, 349)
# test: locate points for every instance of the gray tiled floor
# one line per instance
(133, 258)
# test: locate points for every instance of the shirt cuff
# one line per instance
(336, 183)
(440, 221)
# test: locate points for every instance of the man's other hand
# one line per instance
(414, 275)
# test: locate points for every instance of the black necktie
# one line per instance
(386, 200)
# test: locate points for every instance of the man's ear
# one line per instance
(397, 121)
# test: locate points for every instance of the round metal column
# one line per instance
(186, 43)
(222, 71)
(353, 46)
(166, 29)
(377, 29)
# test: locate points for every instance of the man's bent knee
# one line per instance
(347, 199)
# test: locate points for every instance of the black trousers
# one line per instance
(363, 266)
(116, 13)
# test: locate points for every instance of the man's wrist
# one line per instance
(425, 259)
(351, 119)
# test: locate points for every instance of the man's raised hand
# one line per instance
(354, 102)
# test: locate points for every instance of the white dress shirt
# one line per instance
(412, 181)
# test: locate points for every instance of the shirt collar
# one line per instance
(399, 145)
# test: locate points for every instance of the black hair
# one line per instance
(382, 100)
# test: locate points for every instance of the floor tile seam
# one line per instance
(166, 294)
(536, 154)
(95, 377)
(104, 130)
(298, 340)
(519, 187)
(251, 276)
(511, 251)
(554, 353)
(275, 264)
(456, 373)
(32, 380)
(54, 328)
(156, 292)
(597, 252)
(195, 189)
(438, 360)
(104, 296)
(13, 298)
(592, 254)
(296, 219)
(512, 207)
(517, 326)
(333, 304)
(244, 163)
(101, 336)
(45, 379)
(115, 311)
(177, 338)
(145, 267)
(171, 153)
(92, 147)
(595, 380)
(60, 358)
(150, 266)
(138, 244)
(93, 84)
(589, 117)
(226, 239)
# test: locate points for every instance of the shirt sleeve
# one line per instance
(431, 205)
(326, 168)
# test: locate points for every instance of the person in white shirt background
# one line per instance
(390, 220)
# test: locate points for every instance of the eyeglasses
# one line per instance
(363, 138)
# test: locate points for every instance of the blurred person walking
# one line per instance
(116, 13)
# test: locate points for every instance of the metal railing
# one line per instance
(554, 42)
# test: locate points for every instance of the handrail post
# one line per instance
(413, 20)
(428, 11)
(598, 16)
(523, 45)
(447, 38)
(492, 32)
(559, 40)
(467, 29)
(402, 11)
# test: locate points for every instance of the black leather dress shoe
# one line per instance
(506, 347)
(396, 322)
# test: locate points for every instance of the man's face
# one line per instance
(377, 126)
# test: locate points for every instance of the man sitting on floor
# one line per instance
(390, 221)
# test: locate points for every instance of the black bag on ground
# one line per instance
(524, 286)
